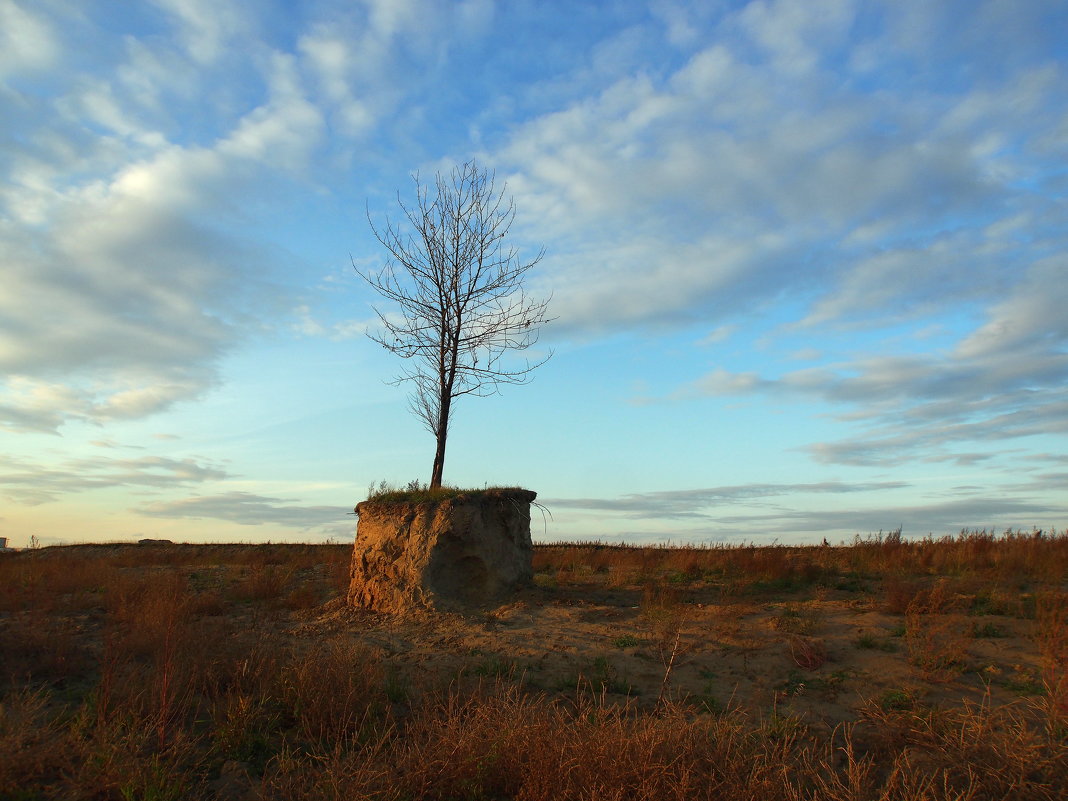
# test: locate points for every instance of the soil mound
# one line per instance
(443, 555)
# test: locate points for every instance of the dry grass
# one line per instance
(998, 560)
(199, 672)
(1052, 637)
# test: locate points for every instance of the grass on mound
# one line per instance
(417, 492)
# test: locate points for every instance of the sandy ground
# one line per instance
(823, 656)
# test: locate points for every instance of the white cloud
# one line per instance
(27, 42)
(1032, 318)
(760, 511)
(27, 404)
(718, 335)
(783, 163)
(677, 18)
(940, 518)
(207, 27)
(368, 59)
(723, 382)
(1007, 379)
(699, 503)
(283, 131)
(390, 17)
(249, 509)
(703, 197)
(126, 277)
(795, 34)
(332, 59)
(141, 401)
(37, 483)
(122, 279)
(306, 324)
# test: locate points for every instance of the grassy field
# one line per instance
(885, 669)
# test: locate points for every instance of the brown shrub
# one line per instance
(808, 653)
(148, 613)
(34, 646)
(33, 742)
(264, 582)
(973, 752)
(334, 689)
(937, 644)
(919, 596)
(1051, 632)
(662, 610)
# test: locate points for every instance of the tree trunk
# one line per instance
(439, 462)
(442, 435)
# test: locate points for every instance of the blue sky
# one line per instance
(807, 259)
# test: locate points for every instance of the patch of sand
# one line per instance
(824, 658)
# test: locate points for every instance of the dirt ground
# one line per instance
(822, 655)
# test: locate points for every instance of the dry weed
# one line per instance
(32, 741)
(179, 690)
(333, 690)
(808, 653)
(973, 752)
(265, 582)
(937, 644)
(797, 620)
(1051, 632)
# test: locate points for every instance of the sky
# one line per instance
(807, 260)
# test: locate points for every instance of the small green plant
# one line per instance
(599, 676)
(797, 620)
(493, 666)
(780, 728)
(1028, 607)
(793, 684)
(987, 631)
(545, 580)
(851, 584)
(1051, 636)
(830, 683)
(627, 641)
(241, 726)
(995, 601)
(896, 701)
(663, 610)
(395, 687)
(869, 642)
(775, 586)
(706, 701)
(1024, 686)
(264, 582)
(24, 795)
(158, 782)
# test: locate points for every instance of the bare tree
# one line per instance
(459, 286)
